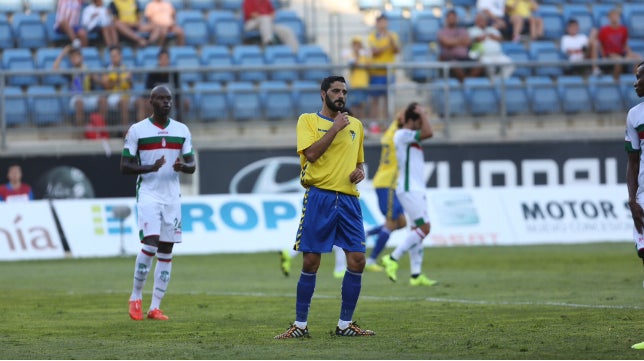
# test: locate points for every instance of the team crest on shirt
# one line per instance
(163, 142)
(353, 135)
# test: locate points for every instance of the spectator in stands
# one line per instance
(68, 16)
(487, 47)
(162, 14)
(495, 12)
(522, 14)
(260, 15)
(118, 82)
(97, 19)
(15, 189)
(613, 42)
(579, 47)
(126, 15)
(454, 44)
(384, 46)
(357, 57)
(81, 84)
(170, 79)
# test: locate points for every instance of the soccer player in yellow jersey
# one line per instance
(384, 46)
(385, 184)
(331, 148)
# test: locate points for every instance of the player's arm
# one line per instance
(426, 130)
(187, 166)
(357, 175)
(130, 165)
(315, 151)
(632, 173)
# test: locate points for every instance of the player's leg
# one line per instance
(416, 253)
(395, 219)
(350, 237)
(314, 237)
(148, 215)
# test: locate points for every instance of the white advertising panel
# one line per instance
(28, 231)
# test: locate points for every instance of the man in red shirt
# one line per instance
(613, 42)
(260, 15)
(15, 190)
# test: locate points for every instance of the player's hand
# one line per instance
(178, 165)
(638, 216)
(158, 163)
(356, 176)
(341, 121)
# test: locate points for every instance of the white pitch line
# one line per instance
(397, 298)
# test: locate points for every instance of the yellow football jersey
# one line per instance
(331, 171)
(387, 173)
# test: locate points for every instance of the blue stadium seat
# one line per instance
(448, 93)
(29, 31)
(600, 14)
(6, 33)
(628, 93)
(195, 27)
(19, 59)
(543, 95)
(218, 56)
(147, 57)
(606, 94)
(582, 14)
(185, 57)
(425, 26)
(15, 106)
(514, 94)
(250, 56)
(481, 96)
(398, 23)
(419, 53)
(226, 28)
(403, 4)
(45, 58)
(53, 36)
(276, 100)
(178, 4)
(292, 20)
(574, 94)
(313, 55)
(435, 4)
(232, 5)
(553, 26)
(45, 105)
(202, 5)
(546, 51)
(243, 100)
(92, 58)
(281, 55)
(518, 54)
(465, 3)
(11, 6)
(306, 96)
(41, 6)
(211, 102)
(364, 5)
(633, 18)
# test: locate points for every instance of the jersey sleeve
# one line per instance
(632, 139)
(131, 147)
(305, 133)
(406, 136)
(187, 144)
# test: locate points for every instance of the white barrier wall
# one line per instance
(252, 222)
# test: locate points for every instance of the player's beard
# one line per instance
(333, 106)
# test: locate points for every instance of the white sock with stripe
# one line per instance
(162, 273)
(141, 270)
(414, 237)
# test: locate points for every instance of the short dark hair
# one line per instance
(116, 47)
(326, 82)
(162, 51)
(410, 112)
(572, 21)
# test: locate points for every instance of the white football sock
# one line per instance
(416, 258)
(162, 273)
(141, 270)
(413, 237)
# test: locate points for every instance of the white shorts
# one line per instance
(90, 102)
(114, 99)
(159, 219)
(415, 206)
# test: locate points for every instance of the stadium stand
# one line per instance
(243, 100)
(15, 106)
(195, 27)
(19, 59)
(281, 55)
(543, 95)
(249, 56)
(211, 101)
(6, 33)
(481, 96)
(217, 56)
(45, 105)
(574, 94)
(276, 100)
(606, 94)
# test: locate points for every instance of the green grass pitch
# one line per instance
(582, 301)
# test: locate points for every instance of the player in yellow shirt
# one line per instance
(331, 148)
(384, 46)
(384, 182)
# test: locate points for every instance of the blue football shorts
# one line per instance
(388, 202)
(330, 218)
